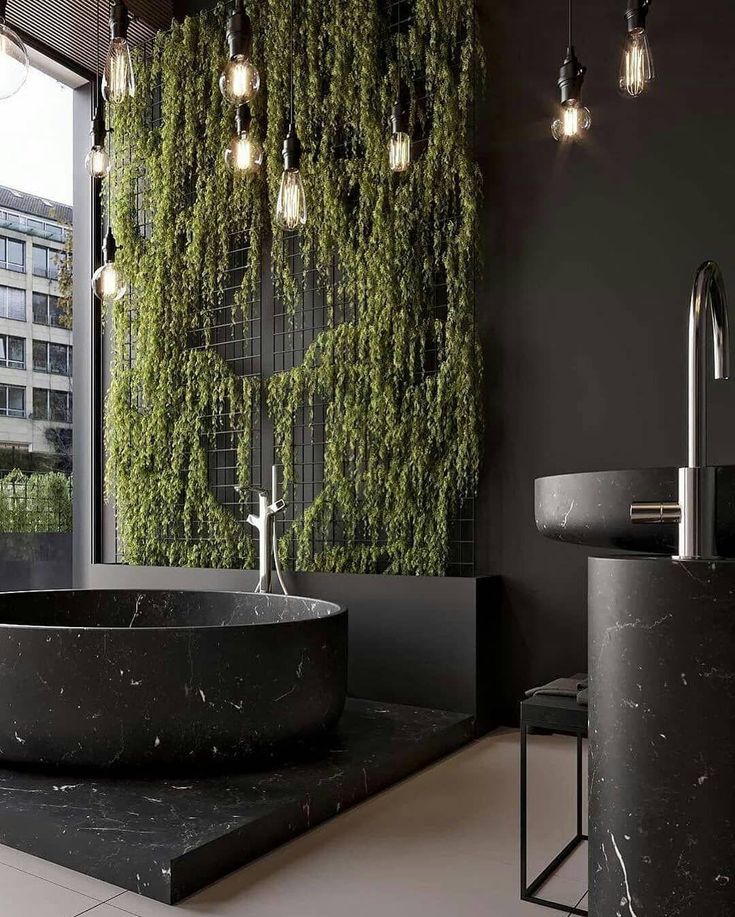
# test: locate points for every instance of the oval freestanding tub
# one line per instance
(126, 679)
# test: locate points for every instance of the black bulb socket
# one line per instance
(635, 15)
(119, 20)
(99, 131)
(399, 118)
(291, 149)
(571, 77)
(239, 32)
(109, 247)
(243, 118)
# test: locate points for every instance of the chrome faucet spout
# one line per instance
(708, 295)
(696, 505)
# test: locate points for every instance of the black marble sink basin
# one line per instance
(593, 508)
(191, 680)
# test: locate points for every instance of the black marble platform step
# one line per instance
(168, 838)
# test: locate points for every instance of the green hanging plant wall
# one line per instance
(400, 378)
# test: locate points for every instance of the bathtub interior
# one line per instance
(127, 608)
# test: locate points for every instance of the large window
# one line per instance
(46, 310)
(46, 262)
(13, 255)
(52, 358)
(12, 303)
(12, 352)
(12, 401)
(52, 405)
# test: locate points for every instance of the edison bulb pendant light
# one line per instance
(107, 282)
(574, 119)
(240, 80)
(291, 203)
(636, 63)
(118, 79)
(97, 162)
(244, 154)
(399, 146)
(13, 58)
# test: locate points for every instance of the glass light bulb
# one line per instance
(97, 162)
(13, 62)
(291, 204)
(107, 283)
(244, 154)
(399, 152)
(118, 80)
(574, 119)
(239, 81)
(636, 64)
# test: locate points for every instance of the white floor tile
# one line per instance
(59, 875)
(23, 894)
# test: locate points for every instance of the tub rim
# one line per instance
(338, 612)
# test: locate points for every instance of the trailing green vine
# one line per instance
(401, 379)
(402, 443)
(168, 400)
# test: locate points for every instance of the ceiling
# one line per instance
(65, 29)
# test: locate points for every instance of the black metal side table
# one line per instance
(550, 715)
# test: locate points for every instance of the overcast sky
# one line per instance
(36, 149)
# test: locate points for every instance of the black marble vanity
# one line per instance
(593, 508)
(662, 696)
(662, 737)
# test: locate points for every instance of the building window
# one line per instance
(52, 405)
(46, 262)
(52, 358)
(12, 352)
(12, 303)
(12, 401)
(33, 226)
(13, 255)
(46, 310)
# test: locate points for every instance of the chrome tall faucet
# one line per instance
(695, 509)
(268, 507)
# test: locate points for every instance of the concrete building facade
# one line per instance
(36, 353)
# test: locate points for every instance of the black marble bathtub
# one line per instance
(193, 680)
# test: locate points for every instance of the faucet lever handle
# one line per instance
(277, 506)
(655, 513)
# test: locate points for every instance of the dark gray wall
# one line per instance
(589, 256)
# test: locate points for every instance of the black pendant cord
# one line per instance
(398, 49)
(292, 117)
(97, 67)
(570, 17)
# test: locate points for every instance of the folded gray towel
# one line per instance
(563, 687)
